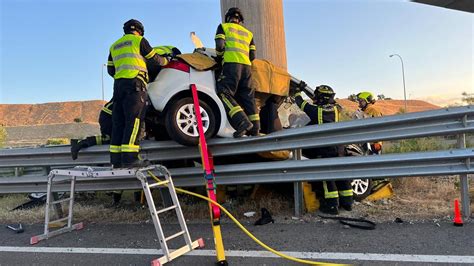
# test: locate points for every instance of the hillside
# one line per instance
(33, 124)
(12, 115)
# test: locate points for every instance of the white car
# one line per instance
(173, 108)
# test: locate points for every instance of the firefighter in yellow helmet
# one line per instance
(235, 48)
(129, 58)
(322, 110)
(367, 109)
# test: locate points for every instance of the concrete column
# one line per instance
(265, 19)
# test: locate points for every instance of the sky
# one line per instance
(54, 50)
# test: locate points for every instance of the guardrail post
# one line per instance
(298, 188)
(465, 200)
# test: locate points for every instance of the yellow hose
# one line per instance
(245, 230)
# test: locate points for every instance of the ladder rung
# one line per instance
(59, 220)
(175, 235)
(166, 209)
(159, 183)
(61, 200)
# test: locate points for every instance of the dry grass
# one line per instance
(415, 199)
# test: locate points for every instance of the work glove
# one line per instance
(301, 86)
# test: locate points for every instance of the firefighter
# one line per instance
(105, 123)
(367, 109)
(235, 49)
(167, 51)
(129, 58)
(324, 109)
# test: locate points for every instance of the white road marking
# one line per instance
(255, 253)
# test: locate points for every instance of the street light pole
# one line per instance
(103, 96)
(403, 75)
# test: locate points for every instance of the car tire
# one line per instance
(181, 123)
(361, 188)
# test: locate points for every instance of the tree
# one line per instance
(468, 98)
(352, 98)
(381, 97)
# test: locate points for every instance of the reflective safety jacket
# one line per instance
(164, 50)
(319, 114)
(128, 59)
(238, 43)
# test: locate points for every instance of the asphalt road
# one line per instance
(388, 244)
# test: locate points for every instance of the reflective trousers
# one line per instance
(233, 88)
(130, 104)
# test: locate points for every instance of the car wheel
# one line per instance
(181, 122)
(361, 188)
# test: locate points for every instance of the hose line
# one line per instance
(258, 241)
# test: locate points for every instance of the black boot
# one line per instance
(242, 128)
(77, 146)
(329, 209)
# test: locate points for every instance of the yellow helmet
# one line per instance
(367, 96)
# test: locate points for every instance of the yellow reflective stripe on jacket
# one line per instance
(150, 54)
(346, 193)
(127, 60)
(115, 149)
(136, 127)
(252, 47)
(130, 148)
(254, 117)
(220, 36)
(106, 110)
(237, 43)
(320, 116)
(303, 104)
(110, 63)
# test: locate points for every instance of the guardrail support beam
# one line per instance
(465, 199)
(298, 189)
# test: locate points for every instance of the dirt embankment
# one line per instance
(391, 107)
(12, 115)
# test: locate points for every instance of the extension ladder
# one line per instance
(140, 174)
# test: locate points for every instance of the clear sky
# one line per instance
(53, 50)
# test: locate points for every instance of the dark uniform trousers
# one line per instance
(130, 104)
(332, 190)
(233, 88)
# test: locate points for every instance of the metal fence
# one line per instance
(451, 121)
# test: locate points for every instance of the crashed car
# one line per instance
(172, 115)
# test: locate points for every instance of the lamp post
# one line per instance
(403, 75)
(103, 96)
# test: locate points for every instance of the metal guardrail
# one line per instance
(390, 165)
(441, 122)
(449, 121)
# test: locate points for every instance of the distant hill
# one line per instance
(31, 124)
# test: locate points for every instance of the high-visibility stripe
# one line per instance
(303, 104)
(235, 110)
(115, 149)
(346, 193)
(219, 52)
(252, 47)
(98, 140)
(232, 39)
(336, 114)
(106, 110)
(320, 115)
(254, 117)
(130, 148)
(136, 127)
(150, 54)
(110, 63)
(327, 194)
(239, 32)
(131, 67)
(127, 55)
(227, 102)
(220, 36)
(235, 49)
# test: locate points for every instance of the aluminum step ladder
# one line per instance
(142, 175)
